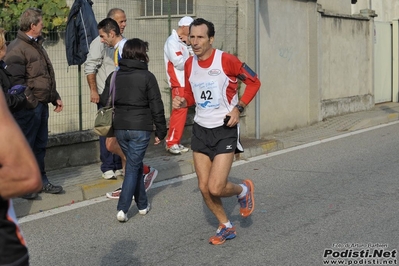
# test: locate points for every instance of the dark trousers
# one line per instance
(34, 125)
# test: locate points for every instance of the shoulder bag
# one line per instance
(105, 115)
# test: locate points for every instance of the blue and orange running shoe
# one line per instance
(222, 234)
(247, 203)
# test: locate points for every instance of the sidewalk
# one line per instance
(85, 182)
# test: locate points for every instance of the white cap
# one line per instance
(185, 21)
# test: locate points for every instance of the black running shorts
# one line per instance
(214, 141)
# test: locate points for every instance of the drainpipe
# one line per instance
(257, 70)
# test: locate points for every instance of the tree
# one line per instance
(55, 13)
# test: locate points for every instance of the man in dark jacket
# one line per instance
(30, 65)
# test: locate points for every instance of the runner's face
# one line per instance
(200, 42)
(120, 18)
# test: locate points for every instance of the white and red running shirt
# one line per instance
(212, 85)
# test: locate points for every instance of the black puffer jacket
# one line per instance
(14, 102)
(138, 102)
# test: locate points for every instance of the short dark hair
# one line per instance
(136, 49)
(109, 24)
(200, 21)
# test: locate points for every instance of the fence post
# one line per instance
(80, 97)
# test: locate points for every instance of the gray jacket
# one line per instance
(100, 62)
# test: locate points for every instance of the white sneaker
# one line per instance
(109, 175)
(119, 172)
(121, 216)
(174, 149)
(183, 149)
(149, 178)
(115, 194)
(146, 210)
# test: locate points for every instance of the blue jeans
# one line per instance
(34, 125)
(134, 144)
(109, 161)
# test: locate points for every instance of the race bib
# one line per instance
(206, 94)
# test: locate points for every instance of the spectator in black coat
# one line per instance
(138, 107)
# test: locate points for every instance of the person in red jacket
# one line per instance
(211, 83)
(176, 52)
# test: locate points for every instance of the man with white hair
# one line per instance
(176, 52)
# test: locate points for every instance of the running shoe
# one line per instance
(149, 178)
(119, 172)
(182, 148)
(121, 216)
(109, 175)
(146, 210)
(114, 194)
(174, 149)
(247, 203)
(222, 234)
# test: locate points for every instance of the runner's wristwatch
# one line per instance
(240, 108)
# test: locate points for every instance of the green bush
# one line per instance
(55, 13)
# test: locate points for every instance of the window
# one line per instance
(151, 8)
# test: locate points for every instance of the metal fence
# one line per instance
(79, 112)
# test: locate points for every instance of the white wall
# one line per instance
(312, 65)
(284, 42)
(336, 6)
(386, 10)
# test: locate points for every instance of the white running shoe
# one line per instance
(183, 149)
(121, 216)
(115, 194)
(109, 175)
(119, 172)
(174, 149)
(146, 210)
(149, 178)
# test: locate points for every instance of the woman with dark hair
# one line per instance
(138, 107)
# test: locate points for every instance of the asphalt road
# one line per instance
(336, 200)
